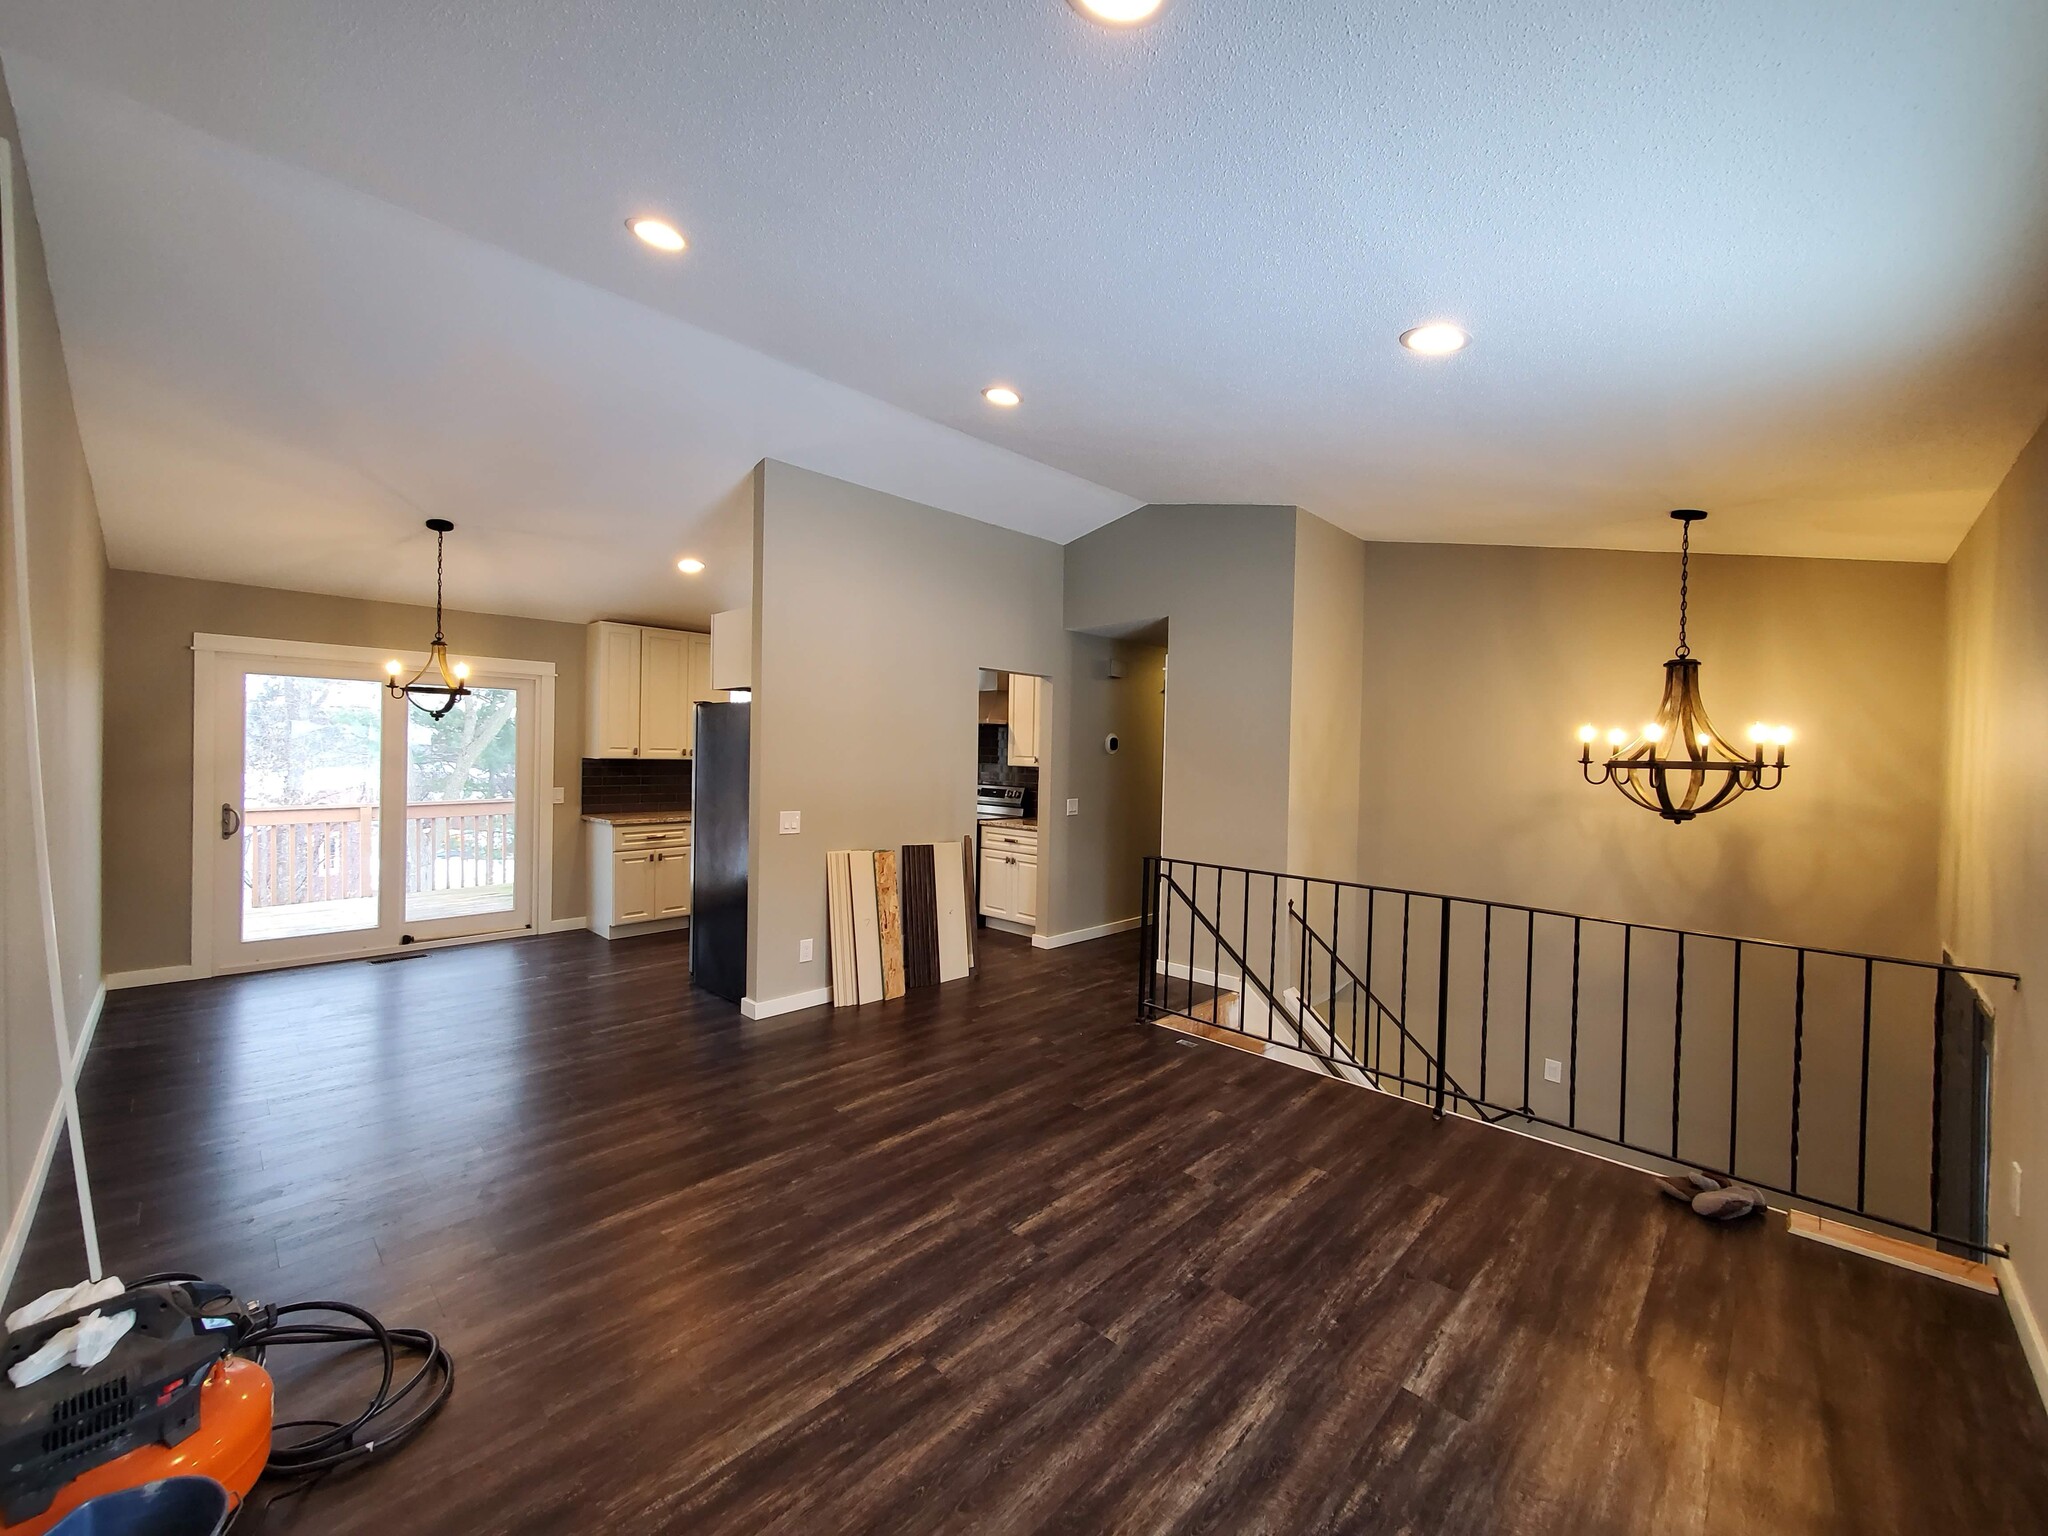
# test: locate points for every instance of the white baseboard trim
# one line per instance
(564, 924)
(121, 981)
(1004, 925)
(1182, 971)
(2025, 1323)
(793, 1003)
(1083, 935)
(24, 1214)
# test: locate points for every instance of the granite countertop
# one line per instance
(630, 818)
(1025, 823)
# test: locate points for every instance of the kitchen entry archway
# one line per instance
(333, 821)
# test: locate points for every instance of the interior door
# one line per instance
(349, 823)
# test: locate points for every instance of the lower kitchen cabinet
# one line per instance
(639, 875)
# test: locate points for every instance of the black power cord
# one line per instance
(386, 1422)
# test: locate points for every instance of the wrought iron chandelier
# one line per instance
(1678, 765)
(452, 687)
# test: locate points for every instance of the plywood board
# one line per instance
(867, 928)
(889, 905)
(920, 917)
(839, 915)
(967, 873)
(955, 957)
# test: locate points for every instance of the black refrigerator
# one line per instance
(718, 851)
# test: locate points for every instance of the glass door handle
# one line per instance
(230, 820)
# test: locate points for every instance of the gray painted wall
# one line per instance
(1223, 578)
(1994, 867)
(150, 622)
(1098, 881)
(872, 615)
(67, 571)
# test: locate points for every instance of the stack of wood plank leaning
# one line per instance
(900, 918)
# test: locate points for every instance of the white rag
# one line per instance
(84, 1344)
(64, 1299)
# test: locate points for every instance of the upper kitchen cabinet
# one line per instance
(644, 685)
(732, 649)
(1027, 694)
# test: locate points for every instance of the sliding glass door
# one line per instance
(345, 821)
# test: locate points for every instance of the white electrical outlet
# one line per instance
(1073, 807)
(792, 821)
(1553, 1070)
(803, 949)
(2015, 1189)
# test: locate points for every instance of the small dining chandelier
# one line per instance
(452, 686)
(1678, 765)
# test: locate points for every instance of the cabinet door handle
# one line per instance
(230, 820)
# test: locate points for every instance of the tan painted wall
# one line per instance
(872, 615)
(1481, 663)
(1223, 578)
(1099, 880)
(1994, 866)
(1326, 700)
(150, 623)
(67, 570)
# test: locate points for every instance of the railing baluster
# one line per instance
(1735, 1061)
(1244, 951)
(1628, 938)
(1571, 1100)
(1863, 1095)
(1934, 1157)
(1485, 998)
(1443, 1002)
(1407, 909)
(1528, 1008)
(1798, 1059)
(1372, 1014)
(1677, 1047)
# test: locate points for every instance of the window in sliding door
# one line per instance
(462, 808)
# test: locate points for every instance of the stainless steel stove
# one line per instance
(1002, 802)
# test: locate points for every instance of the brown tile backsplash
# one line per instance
(616, 786)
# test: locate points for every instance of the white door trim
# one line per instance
(208, 654)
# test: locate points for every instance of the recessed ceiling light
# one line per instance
(1001, 394)
(659, 233)
(689, 565)
(1438, 339)
(1119, 13)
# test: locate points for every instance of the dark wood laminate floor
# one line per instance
(996, 1259)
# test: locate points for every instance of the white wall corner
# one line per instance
(2025, 1322)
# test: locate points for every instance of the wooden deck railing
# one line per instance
(298, 854)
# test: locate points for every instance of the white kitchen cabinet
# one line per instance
(614, 691)
(665, 714)
(639, 874)
(1009, 872)
(1027, 694)
(672, 882)
(643, 686)
(732, 649)
(632, 887)
(701, 690)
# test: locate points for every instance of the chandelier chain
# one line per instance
(441, 542)
(1684, 583)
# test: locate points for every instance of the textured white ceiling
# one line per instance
(1786, 262)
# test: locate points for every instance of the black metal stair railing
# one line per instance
(1847, 1082)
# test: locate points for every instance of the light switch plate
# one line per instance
(561, 795)
(803, 949)
(1553, 1070)
(792, 821)
(1073, 807)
